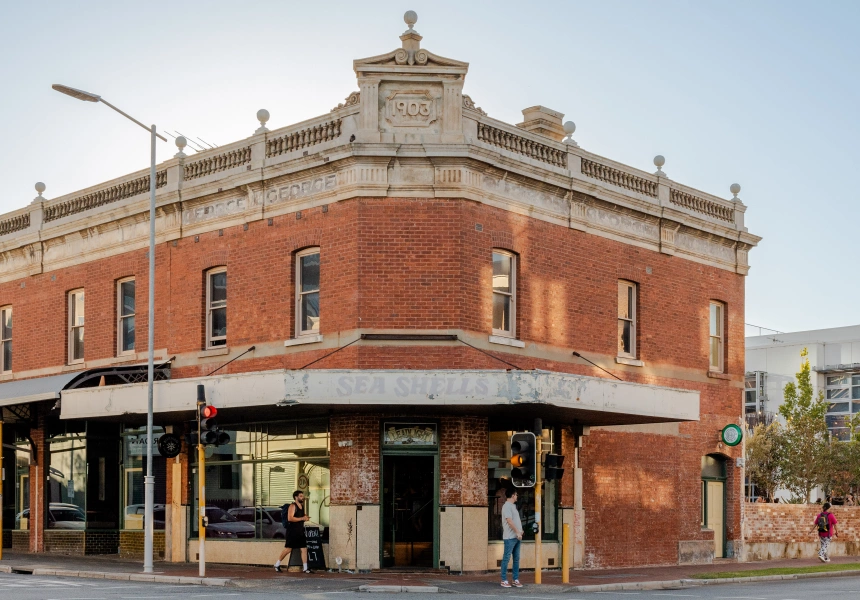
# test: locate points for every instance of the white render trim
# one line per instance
(305, 339)
(219, 351)
(608, 400)
(633, 362)
(507, 341)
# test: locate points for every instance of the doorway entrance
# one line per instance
(714, 500)
(408, 510)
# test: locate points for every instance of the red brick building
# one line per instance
(414, 278)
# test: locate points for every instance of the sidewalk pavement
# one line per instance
(111, 567)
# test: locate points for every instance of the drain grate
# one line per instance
(22, 571)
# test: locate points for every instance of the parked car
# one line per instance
(134, 516)
(60, 516)
(225, 526)
(266, 520)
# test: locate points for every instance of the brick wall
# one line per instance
(101, 542)
(786, 531)
(131, 544)
(794, 522)
(21, 541)
(64, 542)
(407, 263)
(463, 457)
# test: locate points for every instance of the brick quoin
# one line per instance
(422, 264)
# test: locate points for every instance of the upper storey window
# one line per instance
(627, 319)
(308, 292)
(504, 293)
(717, 337)
(6, 339)
(216, 308)
(125, 303)
(76, 326)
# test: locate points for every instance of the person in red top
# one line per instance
(825, 525)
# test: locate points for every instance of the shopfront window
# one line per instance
(251, 477)
(499, 478)
(67, 481)
(22, 485)
(134, 470)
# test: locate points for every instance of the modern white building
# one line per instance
(834, 356)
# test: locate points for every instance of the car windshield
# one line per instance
(216, 515)
(275, 516)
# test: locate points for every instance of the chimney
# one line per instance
(543, 121)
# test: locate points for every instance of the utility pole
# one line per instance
(538, 431)
(201, 483)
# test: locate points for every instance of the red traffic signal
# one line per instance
(208, 412)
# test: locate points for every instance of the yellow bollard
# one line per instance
(565, 553)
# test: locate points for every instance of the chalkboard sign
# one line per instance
(316, 557)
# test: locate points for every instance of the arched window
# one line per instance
(308, 292)
(504, 293)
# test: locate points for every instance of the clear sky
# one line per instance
(762, 93)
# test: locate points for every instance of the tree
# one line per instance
(764, 457)
(843, 461)
(804, 454)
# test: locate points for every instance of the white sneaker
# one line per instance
(821, 558)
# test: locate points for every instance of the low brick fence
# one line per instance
(773, 531)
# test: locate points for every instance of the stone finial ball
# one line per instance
(735, 188)
(181, 142)
(659, 161)
(262, 115)
(569, 127)
(40, 187)
(410, 18)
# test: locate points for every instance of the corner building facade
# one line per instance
(399, 284)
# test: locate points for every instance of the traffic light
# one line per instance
(208, 425)
(523, 459)
(552, 467)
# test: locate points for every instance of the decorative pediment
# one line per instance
(410, 58)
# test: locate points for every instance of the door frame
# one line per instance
(704, 485)
(406, 451)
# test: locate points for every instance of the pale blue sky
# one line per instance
(764, 93)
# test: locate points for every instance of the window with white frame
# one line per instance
(216, 308)
(125, 311)
(504, 293)
(6, 339)
(627, 319)
(843, 403)
(308, 292)
(76, 326)
(716, 336)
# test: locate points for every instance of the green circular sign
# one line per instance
(732, 435)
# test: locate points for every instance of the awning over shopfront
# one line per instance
(36, 389)
(605, 401)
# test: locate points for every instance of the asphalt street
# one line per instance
(31, 587)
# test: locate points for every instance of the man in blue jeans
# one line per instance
(512, 535)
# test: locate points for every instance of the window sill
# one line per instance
(6, 376)
(213, 352)
(506, 341)
(75, 366)
(718, 375)
(305, 339)
(633, 362)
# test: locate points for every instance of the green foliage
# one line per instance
(779, 571)
(805, 450)
(764, 457)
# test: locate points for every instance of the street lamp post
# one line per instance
(149, 480)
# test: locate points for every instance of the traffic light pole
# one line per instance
(538, 504)
(201, 485)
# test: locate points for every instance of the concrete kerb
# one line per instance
(210, 581)
(398, 589)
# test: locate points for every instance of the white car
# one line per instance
(60, 516)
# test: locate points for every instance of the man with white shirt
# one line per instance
(512, 535)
